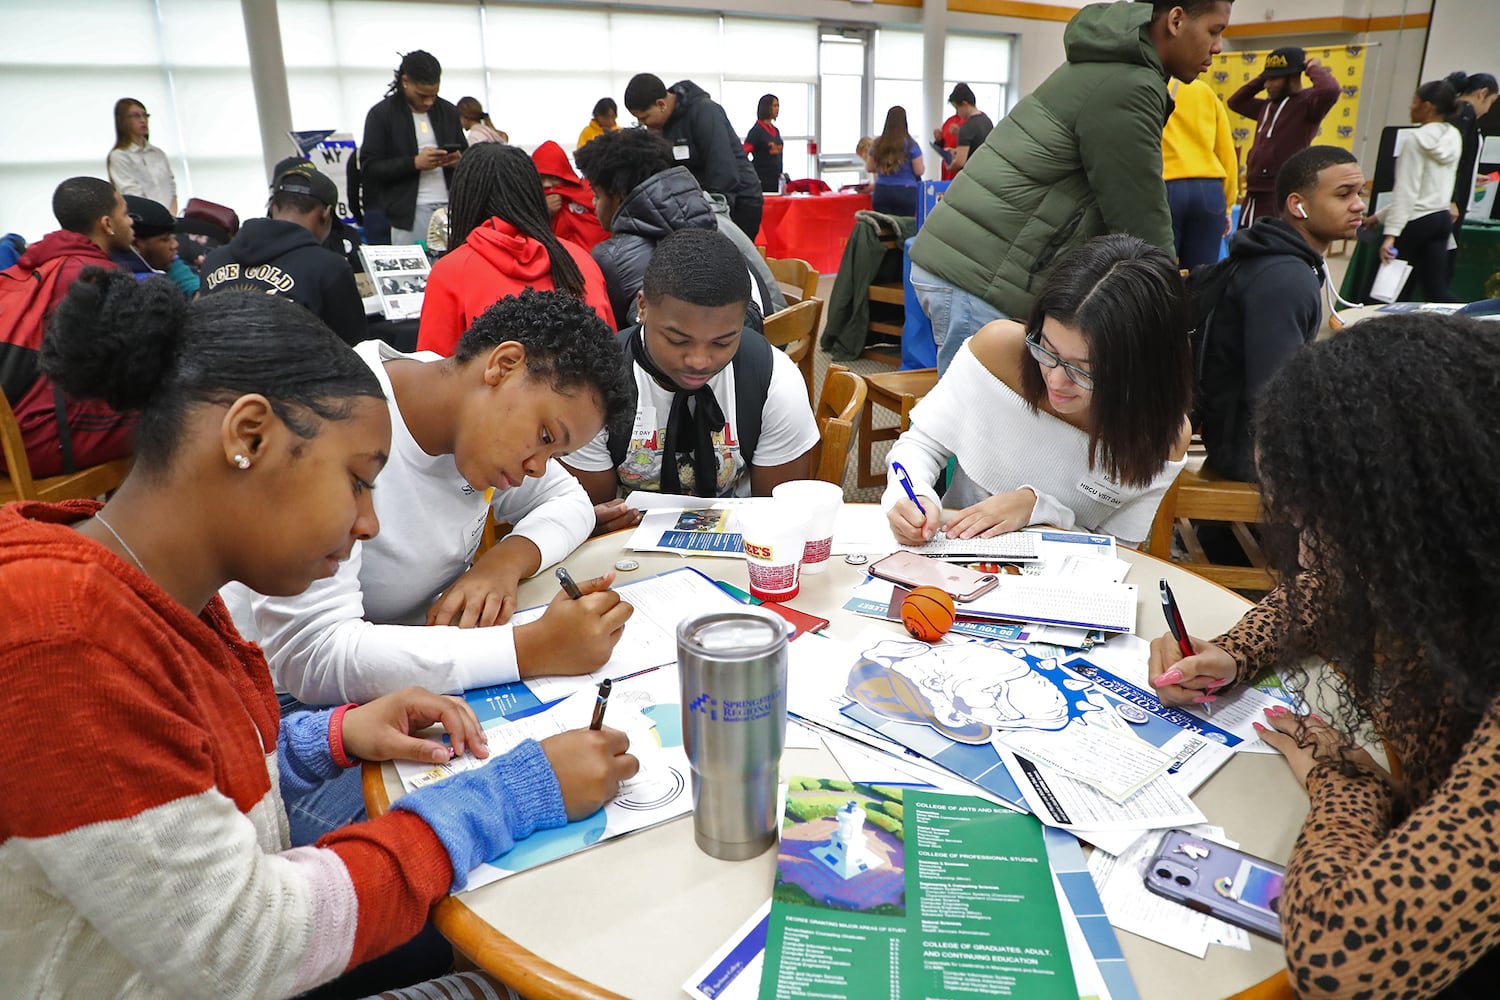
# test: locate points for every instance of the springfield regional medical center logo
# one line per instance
(748, 710)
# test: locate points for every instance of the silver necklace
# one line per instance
(99, 516)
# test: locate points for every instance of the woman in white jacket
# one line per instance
(1419, 220)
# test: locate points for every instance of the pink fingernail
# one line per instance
(1258, 727)
(1173, 676)
(1315, 715)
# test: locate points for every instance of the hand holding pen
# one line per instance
(910, 529)
(1183, 670)
(577, 633)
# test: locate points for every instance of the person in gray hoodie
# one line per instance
(641, 197)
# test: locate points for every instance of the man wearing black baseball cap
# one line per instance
(1286, 120)
(153, 248)
(281, 255)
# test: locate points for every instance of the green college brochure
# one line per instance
(890, 892)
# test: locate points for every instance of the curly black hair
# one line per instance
(141, 346)
(567, 345)
(1377, 449)
(617, 161)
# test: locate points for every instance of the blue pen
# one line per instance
(904, 479)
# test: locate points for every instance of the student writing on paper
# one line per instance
(151, 857)
(1076, 419)
(1392, 888)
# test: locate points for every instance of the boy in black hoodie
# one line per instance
(282, 255)
(702, 140)
(1272, 303)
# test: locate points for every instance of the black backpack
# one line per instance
(1205, 286)
(752, 366)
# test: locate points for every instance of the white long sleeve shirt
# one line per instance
(1001, 445)
(359, 634)
(1425, 172)
(143, 171)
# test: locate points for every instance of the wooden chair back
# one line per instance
(898, 391)
(19, 484)
(842, 400)
(796, 329)
(1202, 496)
(798, 280)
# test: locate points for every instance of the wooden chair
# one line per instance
(1203, 496)
(898, 391)
(843, 397)
(796, 329)
(84, 484)
(796, 278)
(887, 306)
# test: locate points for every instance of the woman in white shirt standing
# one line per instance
(1419, 220)
(135, 166)
(1078, 419)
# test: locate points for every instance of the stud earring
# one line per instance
(242, 461)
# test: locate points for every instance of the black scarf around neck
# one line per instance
(706, 418)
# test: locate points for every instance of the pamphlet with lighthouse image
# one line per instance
(888, 891)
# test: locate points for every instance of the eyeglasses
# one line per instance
(1048, 359)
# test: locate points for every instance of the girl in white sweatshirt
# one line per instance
(1419, 220)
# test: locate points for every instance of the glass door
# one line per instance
(843, 102)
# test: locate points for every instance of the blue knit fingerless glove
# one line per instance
(480, 814)
(303, 758)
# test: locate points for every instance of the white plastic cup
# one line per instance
(820, 503)
(773, 534)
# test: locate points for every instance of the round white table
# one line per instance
(636, 916)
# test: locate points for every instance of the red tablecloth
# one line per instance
(813, 227)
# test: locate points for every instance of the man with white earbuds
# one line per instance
(1272, 302)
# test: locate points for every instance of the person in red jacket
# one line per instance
(1286, 121)
(502, 244)
(570, 199)
(95, 223)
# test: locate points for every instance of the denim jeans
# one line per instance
(1197, 205)
(331, 805)
(955, 315)
(419, 223)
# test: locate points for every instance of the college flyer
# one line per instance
(884, 891)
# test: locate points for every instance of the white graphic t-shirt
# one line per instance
(787, 430)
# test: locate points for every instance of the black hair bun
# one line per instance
(113, 338)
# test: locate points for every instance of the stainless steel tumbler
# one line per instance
(733, 668)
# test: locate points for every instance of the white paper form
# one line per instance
(706, 528)
(650, 636)
(1108, 757)
(1134, 908)
(1065, 802)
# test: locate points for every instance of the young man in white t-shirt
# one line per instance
(698, 374)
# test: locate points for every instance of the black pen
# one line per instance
(566, 579)
(601, 704)
(1178, 628)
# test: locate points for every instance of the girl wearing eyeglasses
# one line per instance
(1077, 419)
(135, 166)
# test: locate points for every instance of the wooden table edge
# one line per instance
(528, 973)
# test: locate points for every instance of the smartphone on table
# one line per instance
(912, 570)
(1223, 882)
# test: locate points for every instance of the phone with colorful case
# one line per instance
(1223, 882)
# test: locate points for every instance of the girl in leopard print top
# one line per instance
(1393, 888)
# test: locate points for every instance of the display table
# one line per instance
(812, 227)
(1474, 278)
(639, 914)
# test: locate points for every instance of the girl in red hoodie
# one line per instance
(502, 245)
(570, 199)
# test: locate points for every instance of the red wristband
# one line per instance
(336, 737)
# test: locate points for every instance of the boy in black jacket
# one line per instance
(282, 255)
(1272, 303)
(702, 140)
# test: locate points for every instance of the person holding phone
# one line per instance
(412, 141)
(1077, 419)
(151, 856)
(1391, 887)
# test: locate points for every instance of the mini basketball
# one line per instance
(927, 612)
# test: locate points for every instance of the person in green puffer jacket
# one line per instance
(1078, 157)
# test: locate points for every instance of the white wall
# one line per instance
(1463, 37)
